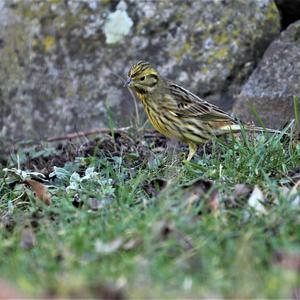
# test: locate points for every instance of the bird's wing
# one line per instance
(187, 104)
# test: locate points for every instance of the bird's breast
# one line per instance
(157, 115)
(157, 120)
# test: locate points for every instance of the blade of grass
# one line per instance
(110, 120)
(296, 111)
(256, 115)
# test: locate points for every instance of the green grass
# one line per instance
(151, 239)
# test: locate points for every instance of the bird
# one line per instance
(178, 113)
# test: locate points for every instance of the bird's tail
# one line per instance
(234, 128)
(261, 129)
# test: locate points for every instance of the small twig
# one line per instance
(148, 133)
(86, 133)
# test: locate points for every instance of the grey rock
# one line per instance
(272, 86)
(62, 63)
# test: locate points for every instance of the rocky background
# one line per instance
(63, 62)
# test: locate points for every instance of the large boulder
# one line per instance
(62, 63)
(274, 83)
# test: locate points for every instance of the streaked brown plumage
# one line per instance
(177, 113)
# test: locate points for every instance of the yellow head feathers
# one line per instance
(142, 77)
(142, 68)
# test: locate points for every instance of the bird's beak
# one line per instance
(128, 83)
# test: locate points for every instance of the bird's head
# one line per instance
(142, 77)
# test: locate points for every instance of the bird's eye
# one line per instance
(142, 78)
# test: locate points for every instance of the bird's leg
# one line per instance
(192, 150)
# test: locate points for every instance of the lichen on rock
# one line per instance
(117, 25)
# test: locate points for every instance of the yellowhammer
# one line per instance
(177, 113)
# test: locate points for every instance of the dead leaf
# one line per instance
(155, 186)
(214, 201)
(108, 247)
(199, 185)
(241, 190)
(41, 191)
(255, 200)
(238, 197)
(28, 239)
(201, 189)
(131, 244)
(163, 230)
